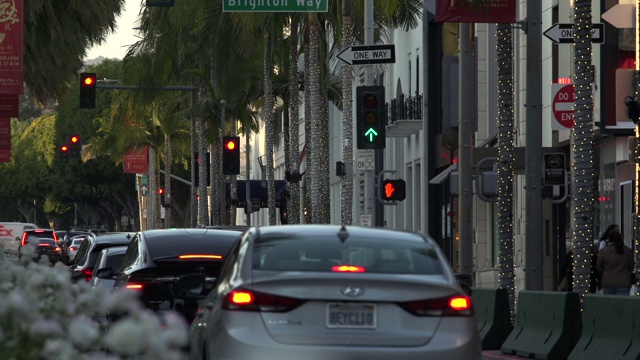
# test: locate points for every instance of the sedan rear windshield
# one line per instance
(352, 255)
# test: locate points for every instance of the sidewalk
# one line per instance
(496, 354)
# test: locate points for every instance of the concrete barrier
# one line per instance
(548, 325)
(611, 328)
(492, 315)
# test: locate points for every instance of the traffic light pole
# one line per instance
(373, 207)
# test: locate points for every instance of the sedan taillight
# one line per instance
(246, 300)
(87, 272)
(458, 305)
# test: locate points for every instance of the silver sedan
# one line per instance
(332, 292)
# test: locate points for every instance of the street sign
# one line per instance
(554, 169)
(275, 5)
(369, 54)
(564, 33)
(365, 160)
(621, 16)
(562, 106)
(365, 220)
(144, 190)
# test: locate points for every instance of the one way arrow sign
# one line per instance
(563, 33)
(369, 54)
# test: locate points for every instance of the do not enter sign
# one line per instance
(564, 96)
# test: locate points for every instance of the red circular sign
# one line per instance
(563, 103)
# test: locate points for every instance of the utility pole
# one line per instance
(223, 193)
(465, 147)
(248, 208)
(533, 149)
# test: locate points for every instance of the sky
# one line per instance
(118, 42)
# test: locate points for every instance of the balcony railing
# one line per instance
(405, 108)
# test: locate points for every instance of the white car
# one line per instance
(75, 242)
(335, 292)
(107, 267)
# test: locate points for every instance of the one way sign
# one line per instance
(564, 33)
(369, 54)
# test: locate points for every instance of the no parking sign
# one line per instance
(564, 98)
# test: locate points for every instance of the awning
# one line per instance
(438, 179)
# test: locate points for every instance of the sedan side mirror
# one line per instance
(104, 273)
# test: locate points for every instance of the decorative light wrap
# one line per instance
(582, 159)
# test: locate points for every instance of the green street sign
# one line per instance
(275, 5)
(371, 135)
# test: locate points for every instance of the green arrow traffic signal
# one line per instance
(371, 134)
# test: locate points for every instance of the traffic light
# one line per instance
(64, 153)
(87, 90)
(161, 193)
(231, 155)
(393, 190)
(196, 180)
(75, 147)
(371, 117)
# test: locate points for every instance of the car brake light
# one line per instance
(348, 268)
(23, 241)
(38, 231)
(458, 305)
(73, 248)
(135, 286)
(44, 244)
(87, 273)
(245, 300)
(58, 249)
(200, 256)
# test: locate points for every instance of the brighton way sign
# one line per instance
(275, 5)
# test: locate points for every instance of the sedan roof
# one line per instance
(166, 243)
(324, 229)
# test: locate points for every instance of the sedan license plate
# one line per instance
(351, 316)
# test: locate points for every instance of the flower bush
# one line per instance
(43, 315)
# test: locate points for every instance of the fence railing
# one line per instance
(405, 107)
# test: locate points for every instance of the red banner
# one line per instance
(9, 106)
(5, 140)
(11, 47)
(485, 11)
(136, 161)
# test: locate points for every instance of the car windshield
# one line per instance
(77, 241)
(354, 255)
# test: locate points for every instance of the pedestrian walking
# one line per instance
(566, 272)
(602, 241)
(616, 263)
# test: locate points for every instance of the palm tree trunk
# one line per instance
(582, 179)
(505, 159)
(315, 141)
(203, 216)
(346, 197)
(269, 128)
(216, 177)
(194, 190)
(293, 203)
(308, 209)
(167, 180)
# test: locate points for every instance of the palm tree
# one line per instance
(61, 32)
(347, 117)
(582, 178)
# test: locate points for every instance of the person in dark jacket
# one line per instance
(616, 263)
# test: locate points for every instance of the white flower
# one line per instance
(125, 337)
(83, 332)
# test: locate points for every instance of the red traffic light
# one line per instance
(160, 191)
(74, 139)
(64, 148)
(370, 100)
(230, 145)
(88, 79)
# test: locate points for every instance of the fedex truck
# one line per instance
(10, 232)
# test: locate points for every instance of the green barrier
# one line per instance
(611, 328)
(548, 325)
(492, 315)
